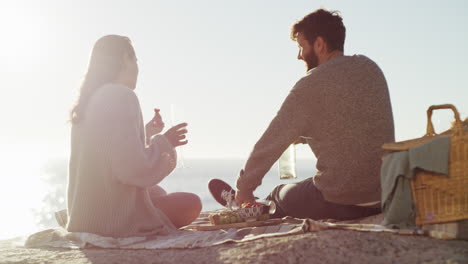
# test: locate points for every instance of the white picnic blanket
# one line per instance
(60, 237)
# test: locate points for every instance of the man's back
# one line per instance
(347, 109)
(343, 106)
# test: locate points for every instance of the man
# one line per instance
(342, 109)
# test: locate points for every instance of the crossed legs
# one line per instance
(180, 207)
(303, 200)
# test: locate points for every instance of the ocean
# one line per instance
(33, 207)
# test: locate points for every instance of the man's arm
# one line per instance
(285, 128)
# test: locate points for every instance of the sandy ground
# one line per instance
(329, 246)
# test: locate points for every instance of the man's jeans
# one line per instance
(304, 200)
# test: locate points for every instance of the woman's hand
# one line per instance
(176, 135)
(155, 126)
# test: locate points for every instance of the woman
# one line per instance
(113, 174)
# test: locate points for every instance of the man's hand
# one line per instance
(176, 135)
(244, 196)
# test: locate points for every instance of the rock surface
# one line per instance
(328, 246)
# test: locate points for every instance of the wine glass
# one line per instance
(177, 118)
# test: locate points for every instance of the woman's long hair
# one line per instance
(104, 67)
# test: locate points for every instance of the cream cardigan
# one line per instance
(111, 169)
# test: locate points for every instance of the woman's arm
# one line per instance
(131, 161)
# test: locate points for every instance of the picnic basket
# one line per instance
(440, 199)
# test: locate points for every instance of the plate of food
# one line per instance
(247, 215)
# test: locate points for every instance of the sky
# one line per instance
(223, 66)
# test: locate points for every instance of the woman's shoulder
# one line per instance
(115, 93)
(116, 90)
(115, 98)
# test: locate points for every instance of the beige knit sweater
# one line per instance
(343, 106)
(111, 169)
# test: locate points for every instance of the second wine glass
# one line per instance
(177, 117)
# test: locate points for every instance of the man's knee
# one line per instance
(296, 199)
(289, 195)
(296, 192)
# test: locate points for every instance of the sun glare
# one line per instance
(24, 30)
(22, 191)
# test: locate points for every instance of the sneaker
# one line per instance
(216, 187)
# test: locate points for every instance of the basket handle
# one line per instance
(430, 128)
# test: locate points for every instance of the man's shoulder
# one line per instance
(362, 59)
(310, 81)
(339, 66)
(345, 61)
(336, 69)
(304, 82)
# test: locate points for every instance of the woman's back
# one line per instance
(98, 201)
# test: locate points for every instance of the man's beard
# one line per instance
(311, 61)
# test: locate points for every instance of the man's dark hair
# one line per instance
(323, 23)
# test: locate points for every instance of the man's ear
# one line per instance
(320, 45)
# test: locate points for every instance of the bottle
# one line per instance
(287, 163)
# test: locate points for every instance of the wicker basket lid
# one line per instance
(407, 144)
(458, 125)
